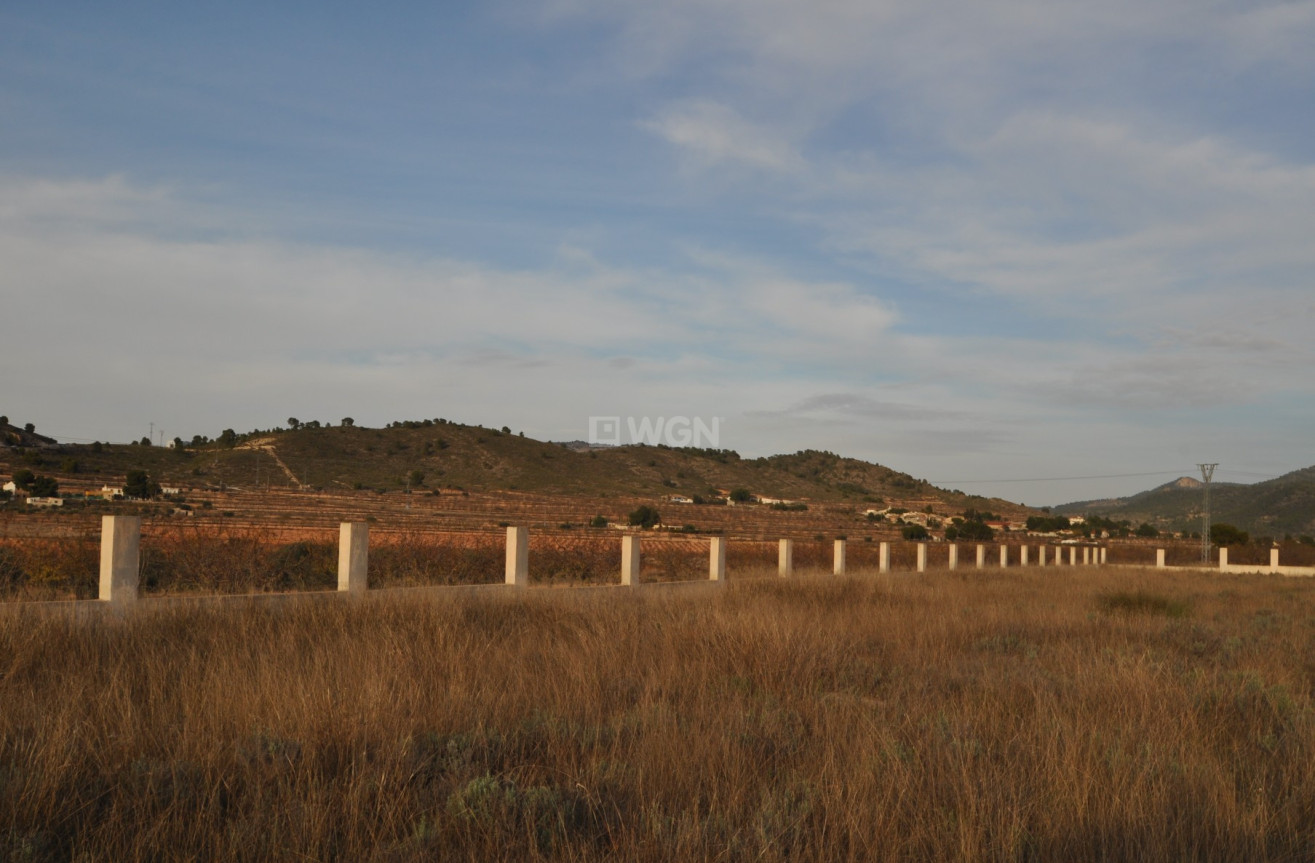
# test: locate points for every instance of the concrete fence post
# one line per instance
(922, 557)
(1041, 555)
(1072, 555)
(1103, 551)
(120, 557)
(353, 556)
(1223, 557)
(1004, 556)
(518, 556)
(981, 556)
(1022, 555)
(785, 558)
(1273, 560)
(1159, 558)
(954, 556)
(717, 559)
(838, 558)
(883, 557)
(630, 561)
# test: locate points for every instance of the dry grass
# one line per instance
(1016, 715)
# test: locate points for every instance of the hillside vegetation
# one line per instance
(433, 455)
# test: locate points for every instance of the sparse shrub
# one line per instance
(1140, 602)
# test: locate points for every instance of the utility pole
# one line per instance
(1207, 474)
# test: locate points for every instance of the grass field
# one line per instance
(1027, 714)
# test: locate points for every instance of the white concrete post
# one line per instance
(1022, 555)
(954, 556)
(1004, 556)
(1086, 555)
(922, 557)
(785, 558)
(1041, 555)
(630, 561)
(1223, 557)
(1103, 550)
(1273, 560)
(717, 559)
(1159, 558)
(518, 556)
(353, 556)
(981, 556)
(1072, 555)
(120, 557)
(838, 558)
(883, 558)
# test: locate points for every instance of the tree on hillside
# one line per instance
(23, 478)
(1147, 530)
(348, 422)
(741, 495)
(1222, 533)
(293, 423)
(4, 421)
(976, 531)
(45, 486)
(417, 477)
(645, 517)
(30, 428)
(140, 485)
(228, 438)
(914, 532)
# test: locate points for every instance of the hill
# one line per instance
(1274, 508)
(433, 455)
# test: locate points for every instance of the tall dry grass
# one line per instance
(1044, 715)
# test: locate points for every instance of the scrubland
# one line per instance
(996, 715)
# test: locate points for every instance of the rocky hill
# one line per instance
(1275, 508)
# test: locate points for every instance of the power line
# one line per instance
(944, 482)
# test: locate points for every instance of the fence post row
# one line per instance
(630, 561)
(120, 557)
(785, 558)
(353, 556)
(717, 559)
(518, 556)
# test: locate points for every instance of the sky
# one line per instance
(1049, 251)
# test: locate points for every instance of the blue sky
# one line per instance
(994, 244)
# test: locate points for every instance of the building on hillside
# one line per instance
(45, 501)
(11, 487)
(111, 492)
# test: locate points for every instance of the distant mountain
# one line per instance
(1275, 507)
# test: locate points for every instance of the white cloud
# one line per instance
(715, 134)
